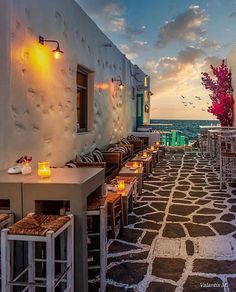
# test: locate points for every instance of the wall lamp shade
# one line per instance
(120, 83)
(56, 52)
(142, 87)
(151, 93)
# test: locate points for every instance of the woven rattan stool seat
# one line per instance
(126, 179)
(38, 225)
(95, 203)
(112, 197)
(3, 217)
(229, 154)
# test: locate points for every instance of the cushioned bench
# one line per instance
(108, 160)
(125, 150)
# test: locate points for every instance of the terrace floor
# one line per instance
(181, 235)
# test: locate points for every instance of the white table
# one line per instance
(212, 139)
(65, 184)
(138, 173)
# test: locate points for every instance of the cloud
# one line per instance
(190, 54)
(101, 7)
(125, 49)
(170, 67)
(205, 43)
(118, 24)
(134, 31)
(131, 50)
(233, 14)
(109, 16)
(208, 61)
(172, 77)
(186, 27)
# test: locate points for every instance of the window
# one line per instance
(82, 99)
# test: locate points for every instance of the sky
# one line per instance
(173, 41)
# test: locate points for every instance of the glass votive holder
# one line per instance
(44, 170)
(121, 185)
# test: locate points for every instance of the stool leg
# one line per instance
(135, 194)
(31, 263)
(122, 217)
(50, 262)
(63, 254)
(70, 255)
(113, 224)
(5, 260)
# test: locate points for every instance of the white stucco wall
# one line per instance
(38, 93)
(231, 63)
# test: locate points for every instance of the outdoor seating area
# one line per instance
(46, 210)
(219, 144)
(131, 221)
(118, 146)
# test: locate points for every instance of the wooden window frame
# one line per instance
(89, 88)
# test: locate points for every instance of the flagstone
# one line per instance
(182, 210)
(227, 217)
(168, 268)
(148, 225)
(189, 247)
(128, 273)
(176, 199)
(196, 230)
(223, 228)
(203, 284)
(157, 217)
(173, 230)
(129, 256)
(160, 286)
(149, 237)
(203, 219)
(118, 246)
(214, 266)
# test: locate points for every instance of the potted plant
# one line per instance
(221, 96)
(25, 162)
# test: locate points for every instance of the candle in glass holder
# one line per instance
(121, 185)
(152, 148)
(135, 165)
(157, 143)
(44, 169)
(145, 154)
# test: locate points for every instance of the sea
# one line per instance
(189, 128)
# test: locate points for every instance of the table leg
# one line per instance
(113, 223)
(125, 206)
(79, 209)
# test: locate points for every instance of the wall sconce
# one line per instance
(121, 84)
(150, 93)
(142, 87)
(146, 108)
(107, 45)
(57, 52)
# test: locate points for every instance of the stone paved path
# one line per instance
(181, 235)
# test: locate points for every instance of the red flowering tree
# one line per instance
(221, 96)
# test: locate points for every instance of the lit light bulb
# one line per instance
(57, 55)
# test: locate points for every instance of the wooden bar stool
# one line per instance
(32, 229)
(132, 194)
(115, 209)
(5, 220)
(97, 227)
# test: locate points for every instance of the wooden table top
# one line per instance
(58, 175)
